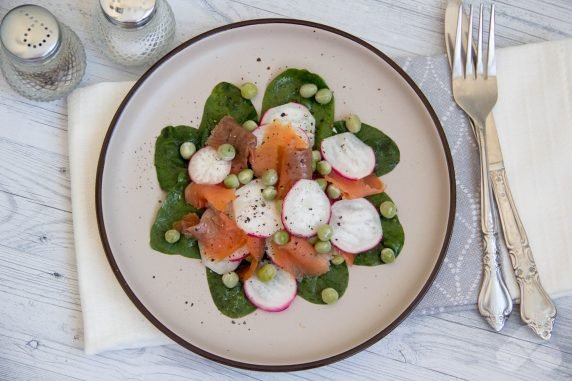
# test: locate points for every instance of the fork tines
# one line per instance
(470, 68)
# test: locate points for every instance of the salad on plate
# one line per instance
(278, 206)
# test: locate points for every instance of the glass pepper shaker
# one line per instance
(134, 32)
(41, 58)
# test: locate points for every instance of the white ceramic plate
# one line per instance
(172, 291)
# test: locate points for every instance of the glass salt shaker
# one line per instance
(134, 32)
(41, 58)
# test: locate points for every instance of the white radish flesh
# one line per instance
(206, 167)
(273, 296)
(253, 214)
(305, 208)
(356, 225)
(239, 254)
(296, 114)
(220, 267)
(348, 155)
(261, 131)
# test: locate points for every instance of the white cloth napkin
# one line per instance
(110, 320)
(534, 120)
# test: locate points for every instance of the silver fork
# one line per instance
(475, 91)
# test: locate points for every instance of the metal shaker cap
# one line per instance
(128, 13)
(30, 33)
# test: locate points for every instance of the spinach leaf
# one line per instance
(385, 150)
(230, 301)
(285, 88)
(225, 99)
(170, 166)
(173, 209)
(393, 236)
(310, 288)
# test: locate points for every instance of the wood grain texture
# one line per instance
(40, 313)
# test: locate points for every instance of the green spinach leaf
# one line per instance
(285, 88)
(173, 209)
(386, 151)
(170, 166)
(393, 236)
(225, 99)
(230, 301)
(310, 288)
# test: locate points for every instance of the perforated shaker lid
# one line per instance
(30, 33)
(128, 13)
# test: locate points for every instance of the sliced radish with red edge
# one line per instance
(256, 216)
(356, 225)
(305, 207)
(206, 167)
(220, 267)
(273, 296)
(294, 113)
(348, 155)
(239, 254)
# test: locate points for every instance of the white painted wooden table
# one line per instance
(40, 313)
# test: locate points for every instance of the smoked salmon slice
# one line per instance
(218, 234)
(256, 251)
(202, 195)
(276, 138)
(352, 189)
(295, 164)
(299, 258)
(230, 132)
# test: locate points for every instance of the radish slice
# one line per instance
(294, 113)
(206, 167)
(348, 155)
(239, 254)
(305, 207)
(253, 214)
(261, 131)
(356, 224)
(219, 267)
(273, 296)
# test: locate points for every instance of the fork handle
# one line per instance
(536, 307)
(494, 301)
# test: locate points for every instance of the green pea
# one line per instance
(324, 168)
(316, 155)
(312, 241)
(172, 236)
(250, 125)
(325, 232)
(248, 90)
(266, 273)
(231, 182)
(322, 183)
(330, 295)
(337, 260)
(245, 176)
(307, 90)
(387, 255)
(270, 177)
(226, 152)
(323, 247)
(388, 209)
(323, 96)
(269, 193)
(314, 166)
(281, 237)
(353, 124)
(333, 192)
(230, 280)
(187, 149)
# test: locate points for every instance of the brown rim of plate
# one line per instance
(238, 364)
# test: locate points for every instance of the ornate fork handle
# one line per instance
(494, 302)
(536, 307)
